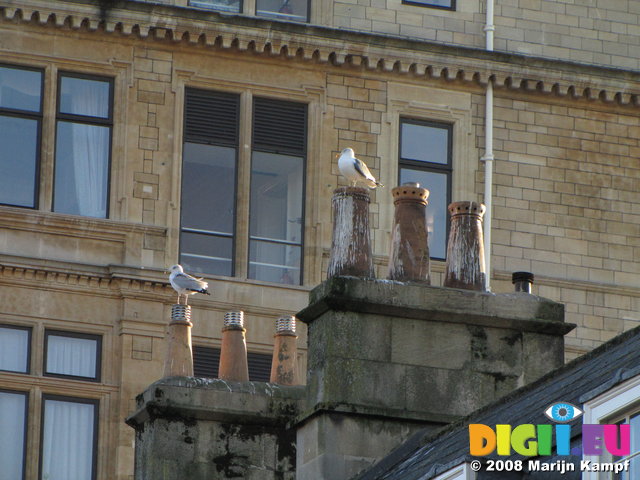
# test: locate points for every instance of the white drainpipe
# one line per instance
(488, 152)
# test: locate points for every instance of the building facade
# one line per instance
(135, 135)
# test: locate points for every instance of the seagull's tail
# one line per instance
(205, 291)
(378, 184)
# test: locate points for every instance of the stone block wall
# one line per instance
(565, 208)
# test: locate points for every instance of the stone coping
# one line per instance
(191, 398)
(520, 311)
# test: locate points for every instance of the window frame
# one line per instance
(434, 167)
(615, 403)
(96, 421)
(236, 179)
(39, 118)
(84, 120)
(29, 340)
(85, 336)
(417, 3)
(241, 247)
(291, 153)
(25, 427)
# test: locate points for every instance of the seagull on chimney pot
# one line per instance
(185, 284)
(355, 170)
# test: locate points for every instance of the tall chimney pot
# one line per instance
(179, 359)
(284, 364)
(233, 352)
(465, 250)
(409, 256)
(351, 243)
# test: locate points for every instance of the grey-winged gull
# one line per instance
(185, 284)
(355, 170)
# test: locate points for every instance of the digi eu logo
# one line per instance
(533, 440)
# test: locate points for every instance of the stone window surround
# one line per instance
(52, 68)
(618, 401)
(430, 106)
(314, 100)
(37, 387)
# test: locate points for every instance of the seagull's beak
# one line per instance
(337, 155)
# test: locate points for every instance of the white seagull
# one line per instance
(186, 284)
(355, 170)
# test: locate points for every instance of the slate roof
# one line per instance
(424, 456)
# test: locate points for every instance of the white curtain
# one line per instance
(68, 439)
(12, 420)
(89, 149)
(71, 356)
(14, 349)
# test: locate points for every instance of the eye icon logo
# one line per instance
(562, 412)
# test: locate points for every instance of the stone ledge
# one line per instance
(520, 311)
(190, 398)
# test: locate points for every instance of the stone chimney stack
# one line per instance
(233, 352)
(465, 250)
(351, 244)
(284, 366)
(179, 359)
(409, 256)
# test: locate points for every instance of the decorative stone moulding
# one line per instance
(409, 256)
(351, 245)
(465, 250)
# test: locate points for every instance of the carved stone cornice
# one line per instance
(312, 43)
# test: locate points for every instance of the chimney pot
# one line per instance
(233, 351)
(522, 281)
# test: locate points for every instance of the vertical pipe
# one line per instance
(488, 179)
(489, 29)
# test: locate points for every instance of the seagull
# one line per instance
(186, 284)
(355, 170)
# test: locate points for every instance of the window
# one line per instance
(14, 348)
(461, 472)
(72, 355)
(234, 6)
(632, 419)
(84, 119)
(20, 127)
(618, 405)
(13, 425)
(444, 4)
(293, 10)
(69, 438)
(271, 203)
(83, 146)
(67, 426)
(206, 361)
(425, 158)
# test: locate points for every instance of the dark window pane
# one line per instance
(208, 187)
(273, 262)
(13, 411)
(14, 349)
(436, 183)
(294, 10)
(82, 169)
(434, 3)
(204, 253)
(424, 143)
(81, 96)
(225, 5)
(20, 89)
(18, 160)
(73, 356)
(68, 440)
(276, 197)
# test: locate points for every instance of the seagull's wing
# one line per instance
(187, 282)
(362, 169)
